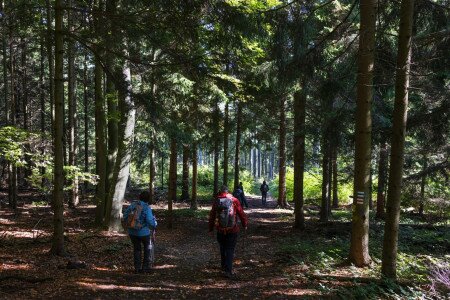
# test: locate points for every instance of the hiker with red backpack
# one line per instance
(223, 216)
(140, 222)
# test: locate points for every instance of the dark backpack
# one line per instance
(264, 188)
(237, 193)
(133, 220)
(226, 214)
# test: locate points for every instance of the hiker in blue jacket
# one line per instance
(141, 223)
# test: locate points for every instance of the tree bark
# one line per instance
(238, 144)
(185, 180)
(172, 193)
(226, 133)
(390, 241)
(5, 74)
(58, 175)
(51, 64)
(359, 247)
(73, 118)
(12, 169)
(111, 99)
(151, 151)
(282, 155)
(382, 172)
(299, 155)
(100, 145)
(254, 162)
(125, 148)
(24, 86)
(86, 120)
(324, 208)
(216, 149)
(194, 176)
(259, 160)
(335, 177)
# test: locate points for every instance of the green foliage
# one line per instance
(13, 141)
(312, 186)
(28, 149)
(189, 213)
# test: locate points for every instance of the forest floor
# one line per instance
(271, 260)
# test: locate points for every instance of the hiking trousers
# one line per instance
(264, 198)
(139, 241)
(227, 243)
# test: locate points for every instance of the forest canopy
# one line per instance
(341, 106)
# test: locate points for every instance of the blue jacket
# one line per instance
(146, 218)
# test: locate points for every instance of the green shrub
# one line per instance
(312, 187)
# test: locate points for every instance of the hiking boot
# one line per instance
(231, 276)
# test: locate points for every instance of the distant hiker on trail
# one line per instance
(264, 189)
(223, 216)
(141, 223)
(239, 194)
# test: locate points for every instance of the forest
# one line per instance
(341, 106)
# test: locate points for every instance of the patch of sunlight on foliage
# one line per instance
(189, 213)
(312, 187)
(341, 215)
(39, 203)
(321, 252)
(250, 6)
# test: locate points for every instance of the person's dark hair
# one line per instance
(224, 189)
(264, 182)
(144, 196)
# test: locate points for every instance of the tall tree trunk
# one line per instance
(194, 176)
(5, 73)
(324, 211)
(73, 118)
(382, 172)
(86, 120)
(125, 147)
(185, 180)
(282, 155)
(272, 162)
(100, 145)
(390, 241)
(162, 171)
(41, 87)
(423, 183)
(330, 179)
(299, 155)
(12, 182)
(359, 247)
(238, 144)
(172, 193)
(51, 63)
(111, 98)
(259, 160)
(335, 176)
(216, 149)
(24, 87)
(151, 152)
(226, 133)
(254, 162)
(58, 175)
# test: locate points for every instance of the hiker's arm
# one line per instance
(150, 218)
(212, 217)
